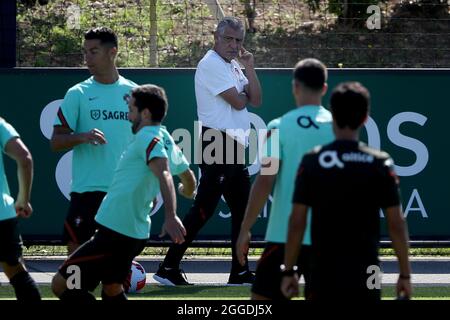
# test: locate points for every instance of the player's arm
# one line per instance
(64, 138)
(172, 224)
(259, 194)
(19, 152)
(397, 228)
(237, 100)
(297, 226)
(187, 185)
(251, 94)
(253, 88)
(398, 231)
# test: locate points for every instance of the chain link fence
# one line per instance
(176, 33)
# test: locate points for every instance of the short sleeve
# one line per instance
(215, 76)
(68, 112)
(155, 149)
(271, 143)
(237, 68)
(389, 189)
(303, 187)
(178, 162)
(7, 132)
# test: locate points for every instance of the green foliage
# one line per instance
(64, 40)
(354, 13)
(285, 31)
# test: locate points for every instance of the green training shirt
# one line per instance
(7, 210)
(90, 105)
(127, 205)
(299, 131)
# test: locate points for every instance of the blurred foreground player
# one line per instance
(296, 132)
(346, 183)
(10, 239)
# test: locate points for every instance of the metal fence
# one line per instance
(176, 33)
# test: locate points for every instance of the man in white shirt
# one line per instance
(222, 92)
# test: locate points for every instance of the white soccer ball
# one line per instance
(135, 281)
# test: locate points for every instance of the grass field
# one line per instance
(155, 292)
(158, 251)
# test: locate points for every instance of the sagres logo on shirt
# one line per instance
(109, 115)
(95, 114)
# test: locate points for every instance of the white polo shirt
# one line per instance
(213, 76)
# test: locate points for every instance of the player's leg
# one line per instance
(354, 282)
(113, 292)
(12, 262)
(236, 193)
(81, 272)
(80, 224)
(124, 250)
(208, 195)
(267, 285)
(24, 285)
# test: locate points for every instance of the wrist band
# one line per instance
(288, 273)
(402, 276)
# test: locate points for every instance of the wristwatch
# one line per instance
(288, 272)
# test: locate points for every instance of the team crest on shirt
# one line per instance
(167, 144)
(95, 114)
(126, 97)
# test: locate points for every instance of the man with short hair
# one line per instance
(346, 183)
(223, 93)
(10, 240)
(294, 133)
(145, 168)
(92, 120)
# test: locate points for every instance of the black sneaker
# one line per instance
(244, 277)
(171, 277)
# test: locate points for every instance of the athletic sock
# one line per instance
(25, 287)
(78, 295)
(120, 297)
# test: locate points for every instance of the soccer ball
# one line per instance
(135, 281)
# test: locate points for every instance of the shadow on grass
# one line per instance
(157, 292)
(152, 291)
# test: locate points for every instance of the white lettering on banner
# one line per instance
(421, 208)
(373, 135)
(416, 146)
(415, 196)
(63, 174)
(64, 167)
(264, 214)
(394, 135)
(63, 171)
(261, 129)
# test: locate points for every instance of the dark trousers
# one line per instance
(231, 180)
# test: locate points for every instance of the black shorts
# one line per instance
(341, 279)
(345, 293)
(10, 242)
(268, 274)
(80, 224)
(105, 258)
